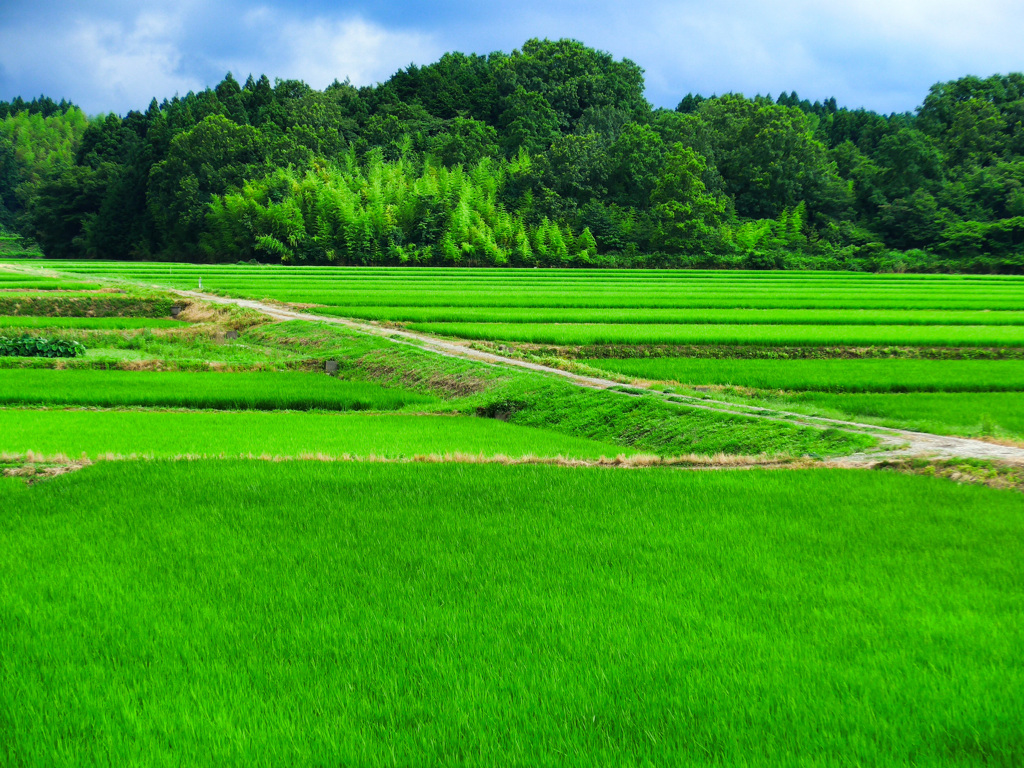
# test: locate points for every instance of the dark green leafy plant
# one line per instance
(35, 346)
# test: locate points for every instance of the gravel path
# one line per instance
(896, 443)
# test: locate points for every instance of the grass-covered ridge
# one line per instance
(644, 423)
(260, 614)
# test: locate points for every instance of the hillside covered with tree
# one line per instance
(548, 156)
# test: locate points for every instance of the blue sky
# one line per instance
(114, 55)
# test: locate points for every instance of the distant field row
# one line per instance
(228, 391)
(501, 274)
(956, 397)
(42, 285)
(945, 413)
(869, 375)
(594, 288)
(676, 316)
(224, 433)
(515, 297)
(767, 335)
(88, 323)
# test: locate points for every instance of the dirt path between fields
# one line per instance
(895, 443)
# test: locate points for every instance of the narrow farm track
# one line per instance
(896, 443)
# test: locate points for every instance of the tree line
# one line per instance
(547, 156)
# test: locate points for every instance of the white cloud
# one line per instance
(108, 65)
(103, 65)
(322, 49)
(883, 54)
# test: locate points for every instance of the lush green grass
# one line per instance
(864, 375)
(997, 414)
(768, 335)
(231, 391)
(97, 323)
(257, 614)
(675, 316)
(213, 433)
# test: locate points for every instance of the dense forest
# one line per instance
(548, 156)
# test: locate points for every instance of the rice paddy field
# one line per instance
(626, 316)
(829, 375)
(589, 334)
(591, 289)
(351, 614)
(281, 390)
(278, 435)
(213, 552)
(100, 323)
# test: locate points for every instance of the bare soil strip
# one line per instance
(897, 443)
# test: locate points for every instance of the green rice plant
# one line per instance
(254, 433)
(624, 289)
(676, 316)
(98, 323)
(85, 306)
(975, 414)
(831, 375)
(223, 391)
(254, 613)
(43, 285)
(797, 335)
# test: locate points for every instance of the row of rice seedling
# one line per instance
(256, 613)
(583, 275)
(32, 292)
(535, 278)
(768, 335)
(851, 296)
(677, 316)
(87, 323)
(971, 414)
(645, 291)
(44, 285)
(277, 433)
(229, 391)
(511, 297)
(535, 288)
(829, 375)
(554, 279)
